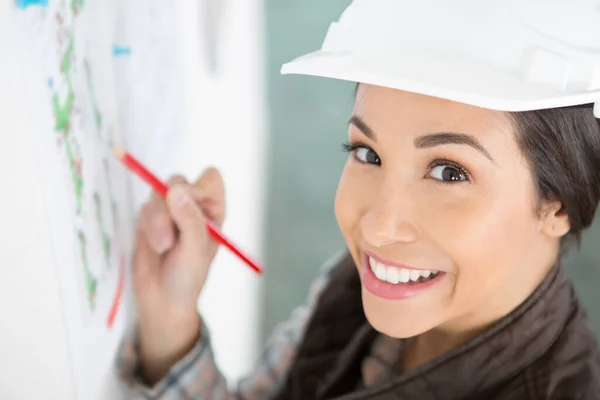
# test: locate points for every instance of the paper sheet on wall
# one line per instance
(155, 79)
(70, 65)
(149, 87)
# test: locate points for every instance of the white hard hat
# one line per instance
(509, 55)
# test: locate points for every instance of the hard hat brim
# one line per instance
(443, 77)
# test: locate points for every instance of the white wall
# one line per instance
(227, 129)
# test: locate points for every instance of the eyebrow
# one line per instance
(363, 127)
(438, 139)
(429, 140)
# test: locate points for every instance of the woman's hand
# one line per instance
(173, 253)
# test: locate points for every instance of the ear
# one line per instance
(554, 219)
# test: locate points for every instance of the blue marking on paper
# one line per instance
(121, 51)
(26, 3)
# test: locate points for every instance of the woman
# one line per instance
(473, 163)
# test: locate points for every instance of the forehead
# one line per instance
(389, 110)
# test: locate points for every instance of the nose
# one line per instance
(390, 219)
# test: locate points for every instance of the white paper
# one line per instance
(70, 66)
(150, 87)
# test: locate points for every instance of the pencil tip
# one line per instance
(118, 152)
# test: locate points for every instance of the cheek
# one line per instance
(488, 238)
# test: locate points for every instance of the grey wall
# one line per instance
(308, 124)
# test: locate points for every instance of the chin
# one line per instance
(393, 322)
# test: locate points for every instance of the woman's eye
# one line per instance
(367, 156)
(447, 173)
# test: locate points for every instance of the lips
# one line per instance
(396, 282)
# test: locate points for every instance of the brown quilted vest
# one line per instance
(542, 350)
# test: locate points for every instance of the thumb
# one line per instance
(186, 214)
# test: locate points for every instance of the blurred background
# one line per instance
(202, 86)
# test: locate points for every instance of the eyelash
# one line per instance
(350, 147)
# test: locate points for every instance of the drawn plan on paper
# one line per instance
(70, 63)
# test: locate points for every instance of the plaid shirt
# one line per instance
(197, 377)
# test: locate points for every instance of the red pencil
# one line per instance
(134, 165)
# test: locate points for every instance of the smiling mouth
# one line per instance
(398, 276)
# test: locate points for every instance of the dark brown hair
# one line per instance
(562, 147)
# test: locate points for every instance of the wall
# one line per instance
(230, 132)
(308, 119)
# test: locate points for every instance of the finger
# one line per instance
(146, 262)
(158, 223)
(177, 180)
(209, 192)
(209, 183)
(187, 216)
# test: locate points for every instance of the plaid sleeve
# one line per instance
(197, 377)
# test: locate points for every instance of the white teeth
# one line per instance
(380, 271)
(372, 263)
(414, 275)
(392, 275)
(398, 275)
(404, 275)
